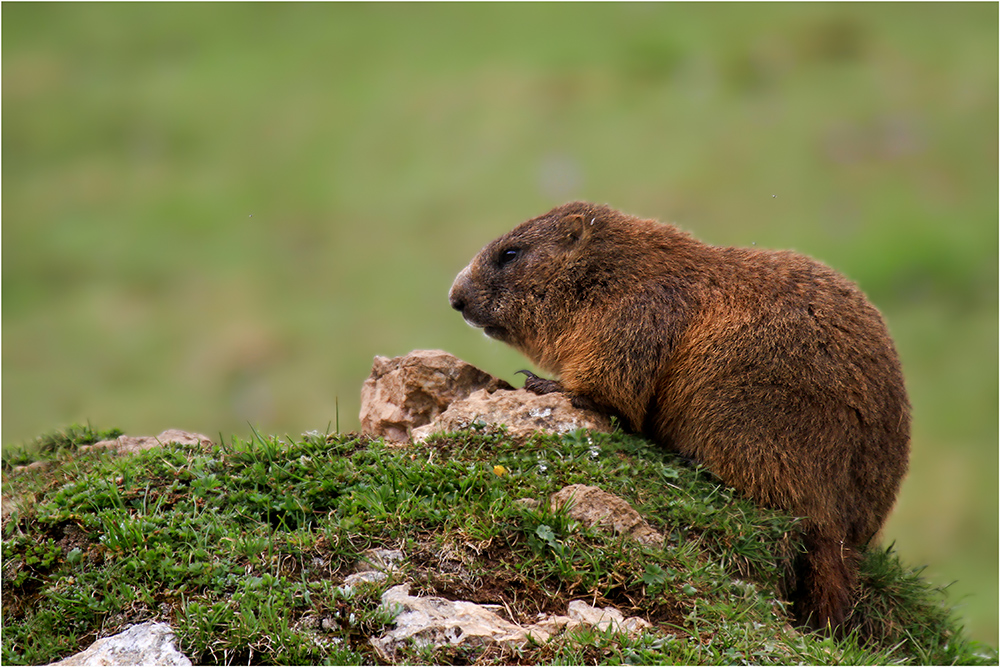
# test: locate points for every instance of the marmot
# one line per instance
(769, 368)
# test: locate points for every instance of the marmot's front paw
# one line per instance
(540, 386)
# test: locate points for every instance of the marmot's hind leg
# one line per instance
(825, 579)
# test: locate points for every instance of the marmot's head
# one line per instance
(524, 287)
(559, 274)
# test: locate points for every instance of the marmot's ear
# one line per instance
(573, 229)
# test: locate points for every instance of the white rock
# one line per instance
(436, 621)
(144, 644)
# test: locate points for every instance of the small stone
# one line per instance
(381, 560)
(375, 565)
(367, 577)
(604, 618)
(597, 508)
(126, 444)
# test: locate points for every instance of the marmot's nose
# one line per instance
(456, 295)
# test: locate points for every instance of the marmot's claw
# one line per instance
(537, 385)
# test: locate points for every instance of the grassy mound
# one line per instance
(243, 548)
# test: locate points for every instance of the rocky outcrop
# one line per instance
(407, 392)
(144, 644)
(520, 412)
(429, 391)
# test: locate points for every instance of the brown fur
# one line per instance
(768, 367)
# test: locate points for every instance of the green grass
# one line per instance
(216, 214)
(242, 548)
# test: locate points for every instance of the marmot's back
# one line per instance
(770, 368)
(792, 387)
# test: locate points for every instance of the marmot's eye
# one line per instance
(507, 256)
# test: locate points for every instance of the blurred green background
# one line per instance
(215, 215)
